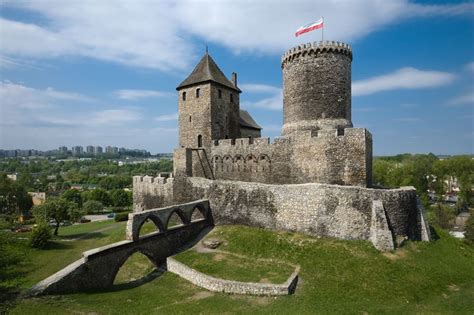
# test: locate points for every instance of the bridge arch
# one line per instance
(180, 214)
(124, 258)
(198, 213)
(156, 221)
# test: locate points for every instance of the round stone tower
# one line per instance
(317, 87)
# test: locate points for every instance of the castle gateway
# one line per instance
(315, 179)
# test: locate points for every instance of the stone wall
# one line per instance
(212, 115)
(194, 116)
(330, 156)
(317, 209)
(152, 192)
(229, 286)
(316, 85)
(344, 212)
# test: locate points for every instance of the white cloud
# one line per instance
(48, 118)
(140, 94)
(169, 117)
(467, 98)
(17, 95)
(404, 78)
(274, 102)
(161, 34)
(470, 66)
(258, 88)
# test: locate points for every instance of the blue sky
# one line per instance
(104, 72)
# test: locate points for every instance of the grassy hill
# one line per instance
(335, 277)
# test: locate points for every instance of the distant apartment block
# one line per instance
(111, 150)
(62, 150)
(77, 150)
(98, 150)
(90, 149)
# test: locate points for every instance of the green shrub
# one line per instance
(469, 233)
(29, 221)
(442, 216)
(121, 216)
(40, 236)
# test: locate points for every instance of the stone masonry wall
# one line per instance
(344, 212)
(225, 113)
(316, 85)
(194, 116)
(152, 192)
(228, 286)
(329, 156)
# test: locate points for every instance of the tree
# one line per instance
(443, 216)
(56, 209)
(121, 198)
(469, 234)
(73, 195)
(98, 194)
(92, 206)
(14, 200)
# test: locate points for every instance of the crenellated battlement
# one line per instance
(153, 180)
(241, 142)
(316, 48)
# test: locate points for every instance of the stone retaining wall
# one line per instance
(228, 286)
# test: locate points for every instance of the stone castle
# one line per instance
(316, 178)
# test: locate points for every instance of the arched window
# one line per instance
(184, 96)
(199, 141)
(197, 92)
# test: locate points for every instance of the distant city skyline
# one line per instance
(89, 74)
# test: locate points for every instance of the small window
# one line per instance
(231, 97)
(184, 96)
(197, 92)
(219, 92)
(199, 141)
(189, 118)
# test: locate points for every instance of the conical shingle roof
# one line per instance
(247, 121)
(207, 70)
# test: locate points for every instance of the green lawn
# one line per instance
(232, 267)
(335, 277)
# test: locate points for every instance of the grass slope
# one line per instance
(336, 276)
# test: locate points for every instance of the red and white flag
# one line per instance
(310, 27)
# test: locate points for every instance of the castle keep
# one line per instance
(316, 178)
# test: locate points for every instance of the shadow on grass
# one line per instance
(156, 273)
(79, 236)
(57, 245)
(8, 298)
(434, 234)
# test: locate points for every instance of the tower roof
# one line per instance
(247, 121)
(207, 71)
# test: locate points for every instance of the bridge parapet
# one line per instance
(161, 216)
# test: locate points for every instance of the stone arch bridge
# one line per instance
(98, 267)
